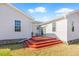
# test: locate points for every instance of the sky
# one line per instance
(46, 11)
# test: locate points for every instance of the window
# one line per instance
(72, 26)
(37, 28)
(54, 26)
(17, 25)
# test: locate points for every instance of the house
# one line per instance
(65, 28)
(14, 24)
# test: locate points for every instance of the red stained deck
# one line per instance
(38, 42)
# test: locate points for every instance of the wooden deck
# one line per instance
(38, 42)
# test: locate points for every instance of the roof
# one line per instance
(55, 19)
(31, 18)
(60, 18)
(10, 5)
(36, 22)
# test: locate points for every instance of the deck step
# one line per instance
(42, 45)
(41, 42)
(42, 38)
(38, 42)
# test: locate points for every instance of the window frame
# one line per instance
(54, 26)
(73, 27)
(17, 26)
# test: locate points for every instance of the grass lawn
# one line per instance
(55, 50)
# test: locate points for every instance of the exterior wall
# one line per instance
(61, 29)
(8, 15)
(74, 17)
(35, 31)
(44, 29)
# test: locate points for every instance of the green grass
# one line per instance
(54, 50)
(5, 52)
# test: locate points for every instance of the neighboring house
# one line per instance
(65, 28)
(14, 24)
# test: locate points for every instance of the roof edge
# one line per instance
(55, 19)
(58, 18)
(19, 11)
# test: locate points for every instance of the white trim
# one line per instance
(56, 19)
(31, 18)
(59, 18)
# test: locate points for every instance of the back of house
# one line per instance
(65, 28)
(73, 27)
(56, 28)
(14, 24)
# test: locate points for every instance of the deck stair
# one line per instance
(38, 42)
